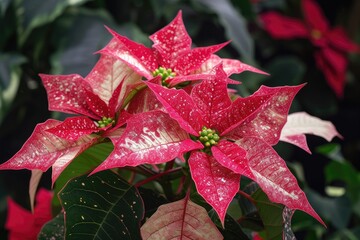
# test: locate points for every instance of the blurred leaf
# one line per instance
(344, 171)
(280, 4)
(82, 164)
(35, 13)
(332, 151)
(246, 8)
(317, 98)
(3, 6)
(235, 26)
(286, 70)
(271, 215)
(251, 218)
(77, 35)
(232, 230)
(54, 229)
(10, 73)
(336, 210)
(346, 234)
(101, 206)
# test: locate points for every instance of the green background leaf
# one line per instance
(101, 206)
(54, 229)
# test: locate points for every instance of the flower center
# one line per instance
(316, 34)
(208, 137)
(105, 121)
(165, 74)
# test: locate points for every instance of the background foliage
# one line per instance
(59, 36)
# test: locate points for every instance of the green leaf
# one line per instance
(345, 172)
(4, 5)
(317, 98)
(336, 210)
(10, 73)
(332, 151)
(152, 200)
(78, 34)
(235, 26)
(101, 206)
(285, 70)
(36, 13)
(54, 229)
(82, 164)
(232, 230)
(271, 215)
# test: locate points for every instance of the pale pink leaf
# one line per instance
(107, 75)
(180, 107)
(297, 140)
(216, 184)
(44, 150)
(182, 219)
(151, 137)
(301, 123)
(33, 185)
(274, 177)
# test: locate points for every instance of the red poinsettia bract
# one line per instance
(24, 225)
(226, 139)
(332, 44)
(172, 56)
(96, 99)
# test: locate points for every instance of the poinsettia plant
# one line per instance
(331, 44)
(160, 145)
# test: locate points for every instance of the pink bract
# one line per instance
(332, 44)
(98, 99)
(172, 49)
(24, 225)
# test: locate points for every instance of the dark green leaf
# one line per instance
(152, 200)
(344, 172)
(317, 98)
(285, 70)
(232, 230)
(271, 215)
(54, 229)
(235, 25)
(332, 151)
(37, 12)
(101, 206)
(77, 35)
(84, 163)
(3, 6)
(10, 73)
(336, 210)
